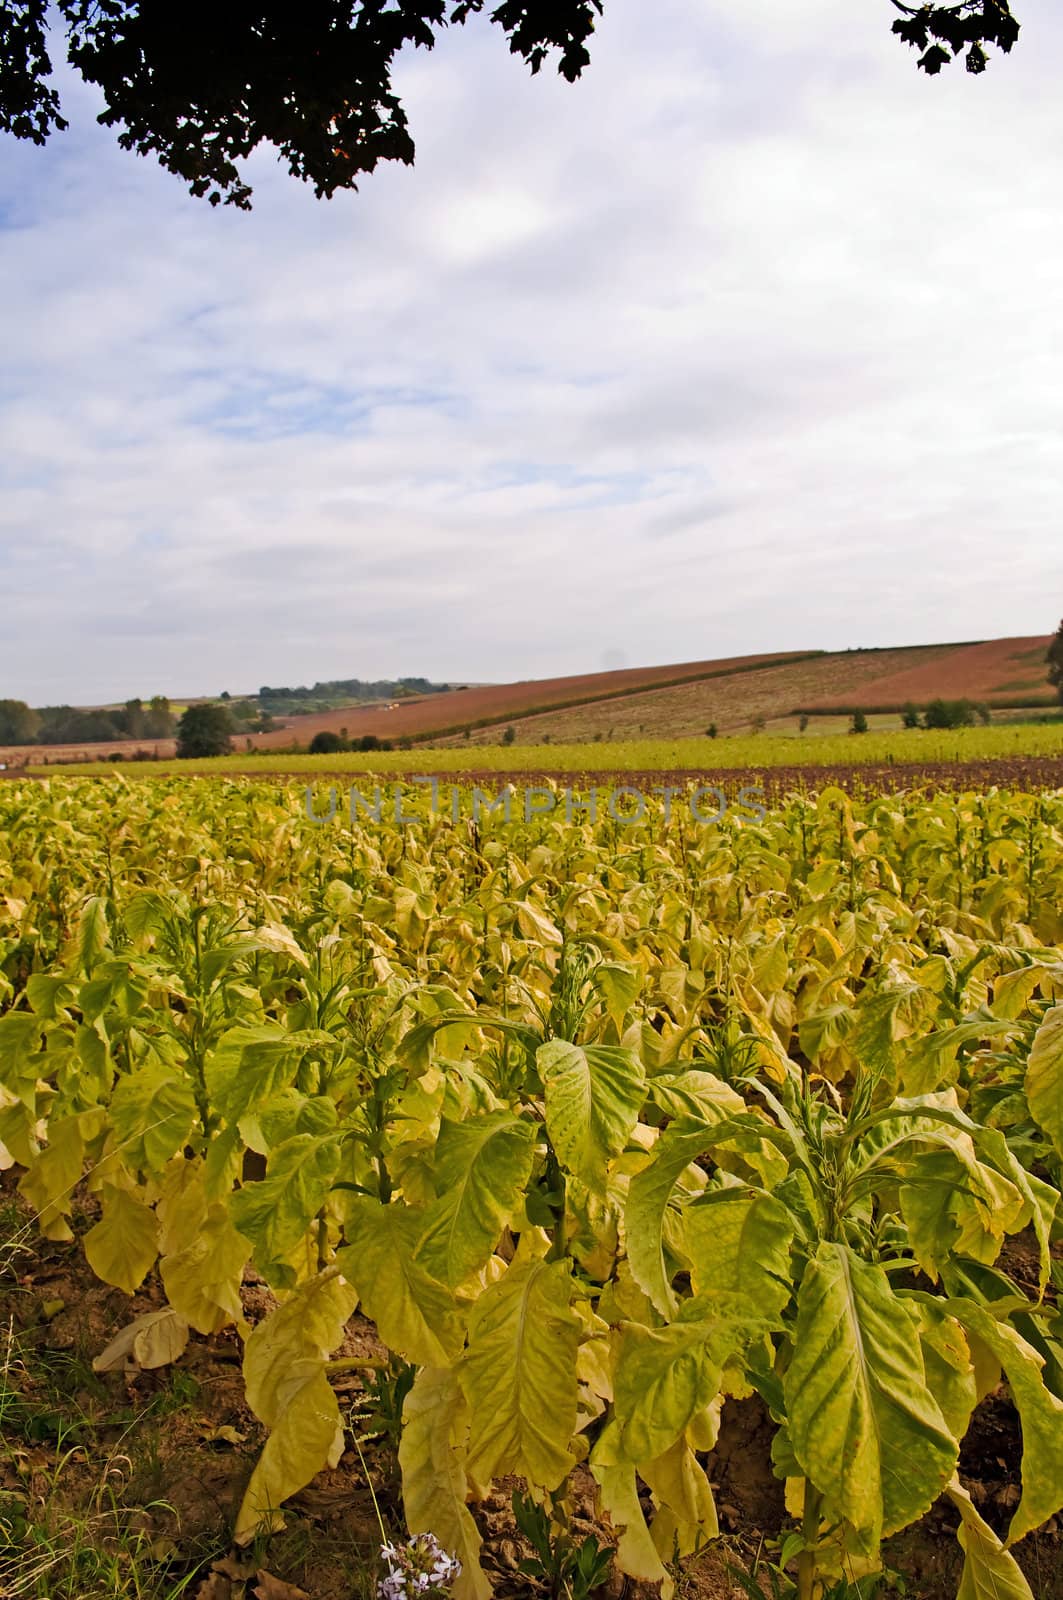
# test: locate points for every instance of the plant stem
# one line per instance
(806, 1561)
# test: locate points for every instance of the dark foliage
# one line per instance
(202, 85)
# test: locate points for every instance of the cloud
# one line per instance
(743, 342)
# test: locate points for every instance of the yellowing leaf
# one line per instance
(481, 1169)
(990, 1572)
(153, 1340)
(863, 1423)
(1044, 1077)
(153, 1110)
(202, 1281)
(288, 1390)
(416, 1316)
(519, 1374)
(593, 1097)
(121, 1248)
(276, 1212)
(434, 1486)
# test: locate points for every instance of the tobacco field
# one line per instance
(603, 1127)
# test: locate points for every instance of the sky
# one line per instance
(746, 341)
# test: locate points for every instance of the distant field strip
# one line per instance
(752, 753)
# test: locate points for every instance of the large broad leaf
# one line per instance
(250, 1064)
(481, 1170)
(416, 1316)
(435, 1427)
(738, 1241)
(649, 1196)
(50, 1182)
(288, 1390)
(202, 1281)
(686, 1518)
(864, 1425)
(664, 1377)
(121, 1248)
(519, 1374)
(276, 1213)
(594, 1094)
(636, 1553)
(990, 1572)
(1044, 1077)
(153, 1110)
(21, 1063)
(953, 1203)
(1040, 1412)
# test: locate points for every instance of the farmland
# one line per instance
(756, 753)
(677, 701)
(701, 1180)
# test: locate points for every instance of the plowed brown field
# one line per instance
(1001, 671)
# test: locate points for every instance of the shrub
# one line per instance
(910, 716)
(327, 743)
(509, 736)
(858, 722)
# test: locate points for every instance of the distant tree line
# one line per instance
(353, 689)
(24, 724)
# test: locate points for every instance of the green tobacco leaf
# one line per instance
(594, 1094)
(990, 1572)
(619, 987)
(276, 1212)
(153, 1111)
(648, 1199)
(435, 1428)
(250, 1065)
(416, 1316)
(481, 1170)
(519, 1374)
(1040, 1413)
(664, 1377)
(1044, 1077)
(864, 1425)
(20, 1061)
(738, 1241)
(288, 1390)
(121, 1248)
(92, 936)
(949, 1368)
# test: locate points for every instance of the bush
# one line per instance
(858, 722)
(711, 731)
(802, 722)
(327, 743)
(949, 714)
(910, 716)
(509, 736)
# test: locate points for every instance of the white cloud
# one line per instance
(743, 342)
